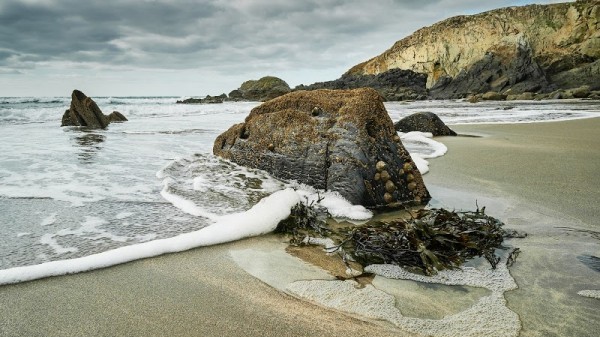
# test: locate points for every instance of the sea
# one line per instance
(74, 199)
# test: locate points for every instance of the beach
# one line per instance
(536, 177)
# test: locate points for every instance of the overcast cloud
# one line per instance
(186, 47)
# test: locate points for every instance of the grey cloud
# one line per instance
(265, 36)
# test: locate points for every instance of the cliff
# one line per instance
(535, 48)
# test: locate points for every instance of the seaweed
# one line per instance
(429, 241)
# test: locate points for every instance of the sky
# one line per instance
(198, 47)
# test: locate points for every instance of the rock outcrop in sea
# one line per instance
(424, 122)
(85, 112)
(261, 90)
(338, 140)
(530, 49)
(206, 100)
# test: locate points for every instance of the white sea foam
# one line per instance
(488, 317)
(590, 293)
(22, 234)
(260, 219)
(336, 205)
(51, 219)
(50, 240)
(183, 204)
(422, 147)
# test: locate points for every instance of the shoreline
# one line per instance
(204, 292)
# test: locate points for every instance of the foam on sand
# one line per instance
(260, 219)
(422, 147)
(590, 293)
(488, 317)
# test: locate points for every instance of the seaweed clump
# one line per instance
(429, 241)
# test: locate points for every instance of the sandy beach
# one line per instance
(533, 176)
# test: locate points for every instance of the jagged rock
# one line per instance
(393, 85)
(424, 122)
(85, 112)
(506, 67)
(560, 46)
(339, 140)
(263, 89)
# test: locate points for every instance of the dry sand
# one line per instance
(204, 293)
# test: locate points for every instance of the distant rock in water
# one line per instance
(206, 100)
(424, 122)
(261, 90)
(338, 140)
(393, 85)
(116, 116)
(85, 112)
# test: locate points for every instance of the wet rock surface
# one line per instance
(339, 140)
(424, 122)
(85, 112)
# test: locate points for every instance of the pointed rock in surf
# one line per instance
(85, 112)
(338, 140)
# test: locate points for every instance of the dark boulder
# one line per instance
(117, 117)
(85, 112)
(206, 100)
(424, 122)
(338, 140)
(393, 85)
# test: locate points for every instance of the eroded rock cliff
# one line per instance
(535, 48)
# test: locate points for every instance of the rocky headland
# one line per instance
(530, 50)
(260, 90)
(85, 112)
(337, 140)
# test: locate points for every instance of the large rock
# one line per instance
(339, 140)
(424, 122)
(263, 89)
(85, 112)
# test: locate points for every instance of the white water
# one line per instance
(74, 200)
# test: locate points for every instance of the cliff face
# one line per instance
(555, 46)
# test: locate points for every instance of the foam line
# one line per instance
(260, 219)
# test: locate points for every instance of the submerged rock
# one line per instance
(338, 140)
(85, 112)
(424, 122)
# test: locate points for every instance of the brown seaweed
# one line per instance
(432, 240)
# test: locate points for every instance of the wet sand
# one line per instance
(542, 179)
(549, 167)
(554, 164)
